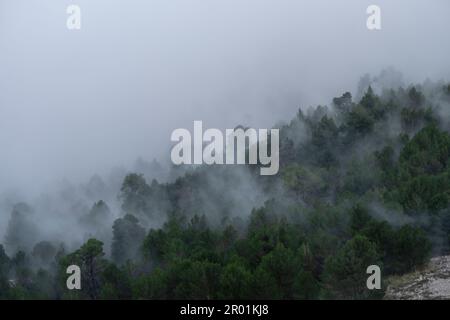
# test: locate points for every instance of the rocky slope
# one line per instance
(433, 282)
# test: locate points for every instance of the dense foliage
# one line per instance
(360, 183)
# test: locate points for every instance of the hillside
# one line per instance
(363, 181)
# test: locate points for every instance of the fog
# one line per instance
(76, 103)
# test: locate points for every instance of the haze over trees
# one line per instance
(364, 181)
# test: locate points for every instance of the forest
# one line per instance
(363, 181)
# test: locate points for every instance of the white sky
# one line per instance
(75, 103)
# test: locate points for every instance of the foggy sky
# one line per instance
(73, 103)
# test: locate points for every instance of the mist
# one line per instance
(74, 104)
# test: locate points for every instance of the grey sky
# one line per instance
(73, 103)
